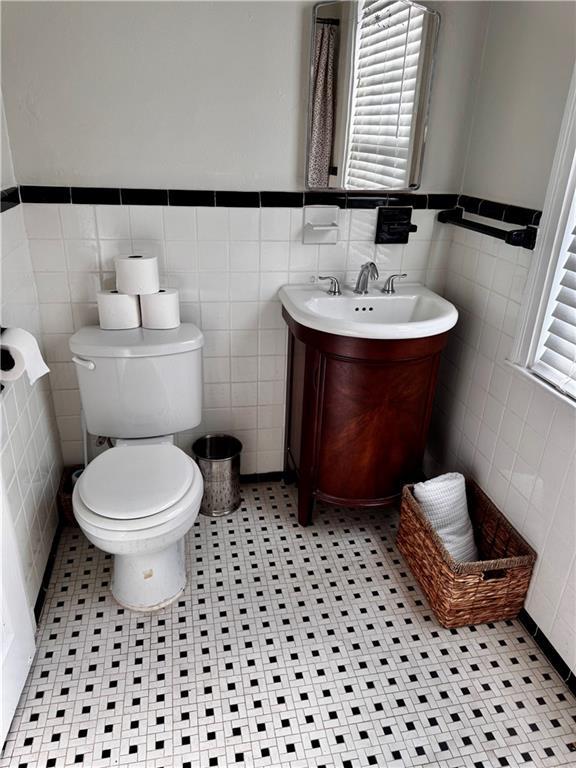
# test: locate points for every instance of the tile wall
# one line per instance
(30, 451)
(228, 264)
(512, 434)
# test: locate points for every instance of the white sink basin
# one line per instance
(412, 312)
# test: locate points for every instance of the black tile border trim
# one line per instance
(96, 196)
(548, 650)
(144, 196)
(191, 197)
(29, 194)
(238, 199)
(511, 214)
(41, 598)
(262, 477)
(9, 198)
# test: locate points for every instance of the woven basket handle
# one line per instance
(496, 574)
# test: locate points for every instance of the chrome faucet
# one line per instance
(334, 289)
(368, 271)
(389, 284)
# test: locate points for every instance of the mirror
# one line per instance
(371, 73)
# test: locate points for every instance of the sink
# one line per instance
(412, 312)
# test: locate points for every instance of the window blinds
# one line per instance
(389, 38)
(556, 357)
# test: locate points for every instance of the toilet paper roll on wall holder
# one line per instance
(6, 360)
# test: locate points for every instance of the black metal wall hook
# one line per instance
(522, 238)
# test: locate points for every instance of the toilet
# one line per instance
(138, 499)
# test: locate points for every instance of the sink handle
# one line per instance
(389, 284)
(334, 289)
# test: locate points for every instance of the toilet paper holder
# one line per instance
(6, 360)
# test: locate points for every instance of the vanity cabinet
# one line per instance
(358, 412)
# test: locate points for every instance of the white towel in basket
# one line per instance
(443, 501)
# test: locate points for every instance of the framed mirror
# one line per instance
(371, 74)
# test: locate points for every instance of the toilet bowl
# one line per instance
(137, 502)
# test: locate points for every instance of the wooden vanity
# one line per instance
(358, 412)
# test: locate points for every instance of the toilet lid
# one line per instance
(135, 481)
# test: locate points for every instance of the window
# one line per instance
(555, 358)
(384, 95)
(546, 341)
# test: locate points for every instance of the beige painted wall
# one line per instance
(528, 60)
(8, 178)
(192, 94)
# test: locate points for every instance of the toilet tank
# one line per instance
(139, 382)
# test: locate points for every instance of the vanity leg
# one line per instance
(305, 504)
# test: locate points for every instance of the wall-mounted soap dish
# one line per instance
(320, 224)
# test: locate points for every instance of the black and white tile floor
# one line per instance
(290, 647)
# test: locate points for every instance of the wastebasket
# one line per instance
(218, 457)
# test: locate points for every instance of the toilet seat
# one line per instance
(124, 482)
(104, 503)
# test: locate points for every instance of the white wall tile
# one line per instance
(31, 460)
(78, 222)
(244, 315)
(213, 256)
(270, 283)
(146, 222)
(244, 286)
(227, 265)
(42, 221)
(216, 344)
(215, 316)
(84, 286)
(243, 343)
(244, 256)
(244, 393)
(212, 223)
(181, 256)
(179, 223)
(363, 225)
(48, 255)
(244, 369)
(84, 314)
(216, 369)
(111, 249)
(113, 222)
(244, 224)
(275, 223)
(82, 255)
(56, 318)
(520, 438)
(274, 256)
(52, 288)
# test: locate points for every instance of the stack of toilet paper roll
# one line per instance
(138, 298)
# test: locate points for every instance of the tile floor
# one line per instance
(291, 647)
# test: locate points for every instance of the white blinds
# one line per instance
(556, 357)
(389, 37)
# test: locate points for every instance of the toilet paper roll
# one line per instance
(160, 310)
(19, 354)
(137, 275)
(118, 311)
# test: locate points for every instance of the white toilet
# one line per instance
(138, 499)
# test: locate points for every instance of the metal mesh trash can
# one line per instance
(218, 457)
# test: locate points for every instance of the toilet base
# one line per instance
(149, 581)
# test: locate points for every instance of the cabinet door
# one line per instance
(373, 426)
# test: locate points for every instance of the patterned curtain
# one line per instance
(323, 104)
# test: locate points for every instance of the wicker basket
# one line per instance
(460, 593)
